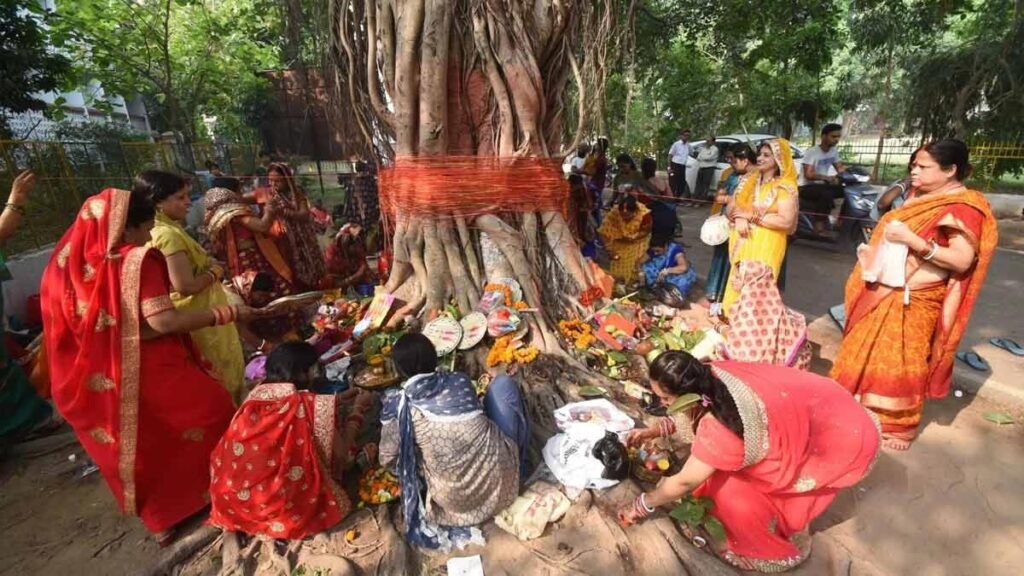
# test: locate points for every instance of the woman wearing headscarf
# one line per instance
(763, 212)
(195, 277)
(293, 229)
(124, 371)
(241, 239)
(276, 471)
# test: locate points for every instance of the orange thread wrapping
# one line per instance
(472, 185)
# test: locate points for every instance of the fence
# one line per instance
(68, 172)
(998, 166)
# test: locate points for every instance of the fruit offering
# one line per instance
(378, 486)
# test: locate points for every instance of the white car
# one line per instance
(754, 140)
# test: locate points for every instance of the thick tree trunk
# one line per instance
(447, 78)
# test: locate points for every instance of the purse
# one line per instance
(715, 230)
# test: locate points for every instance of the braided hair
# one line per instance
(679, 373)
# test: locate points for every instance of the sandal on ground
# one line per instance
(838, 315)
(973, 360)
(1008, 345)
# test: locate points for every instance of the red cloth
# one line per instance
(271, 472)
(145, 410)
(344, 261)
(815, 439)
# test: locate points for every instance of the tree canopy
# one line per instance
(27, 66)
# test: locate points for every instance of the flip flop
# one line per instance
(1008, 345)
(838, 314)
(973, 360)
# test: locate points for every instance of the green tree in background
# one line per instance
(27, 66)
(186, 57)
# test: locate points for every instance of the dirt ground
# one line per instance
(951, 505)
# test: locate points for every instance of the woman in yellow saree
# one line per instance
(763, 212)
(195, 277)
(626, 233)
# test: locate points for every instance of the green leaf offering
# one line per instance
(617, 357)
(688, 512)
(592, 391)
(683, 402)
(715, 528)
(1000, 418)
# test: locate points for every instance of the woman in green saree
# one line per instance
(21, 410)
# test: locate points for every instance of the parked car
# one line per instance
(754, 140)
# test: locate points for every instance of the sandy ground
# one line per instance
(952, 505)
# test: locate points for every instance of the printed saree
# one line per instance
(804, 439)
(762, 329)
(626, 240)
(143, 408)
(271, 472)
(898, 351)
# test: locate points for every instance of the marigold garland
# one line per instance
(578, 332)
(505, 351)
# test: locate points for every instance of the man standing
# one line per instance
(819, 178)
(677, 156)
(707, 161)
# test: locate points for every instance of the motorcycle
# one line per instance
(854, 223)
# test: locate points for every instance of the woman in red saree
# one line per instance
(123, 369)
(899, 343)
(273, 473)
(772, 447)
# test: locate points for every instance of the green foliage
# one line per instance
(188, 58)
(694, 512)
(27, 67)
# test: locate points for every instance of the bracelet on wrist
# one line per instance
(16, 207)
(931, 253)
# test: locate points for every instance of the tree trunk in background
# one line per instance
(476, 77)
(883, 118)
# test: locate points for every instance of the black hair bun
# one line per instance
(613, 455)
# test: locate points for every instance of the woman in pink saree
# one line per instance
(772, 447)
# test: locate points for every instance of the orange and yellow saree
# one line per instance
(894, 353)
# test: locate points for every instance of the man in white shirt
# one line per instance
(677, 156)
(819, 178)
(577, 163)
(707, 161)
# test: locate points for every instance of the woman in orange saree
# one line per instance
(899, 343)
(772, 448)
(274, 471)
(123, 368)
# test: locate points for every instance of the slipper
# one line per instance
(838, 314)
(973, 360)
(1008, 345)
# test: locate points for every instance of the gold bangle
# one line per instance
(16, 207)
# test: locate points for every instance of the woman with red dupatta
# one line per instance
(899, 343)
(123, 368)
(273, 473)
(772, 448)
